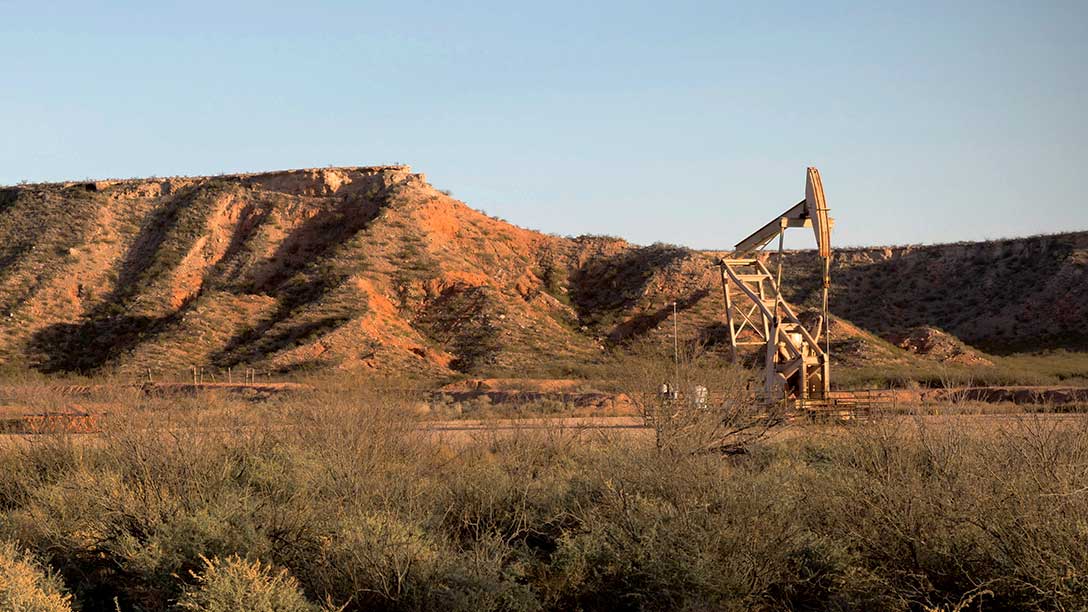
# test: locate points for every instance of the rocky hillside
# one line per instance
(371, 269)
(1001, 296)
(367, 268)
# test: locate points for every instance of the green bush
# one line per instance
(372, 558)
(237, 585)
(28, 586)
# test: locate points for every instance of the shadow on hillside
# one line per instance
(644, 322)
(314, 239)
(299, 273)
(90, 344)
(459, 319)
(604, 287)
(106, 331)
(146, 249)
(1001, 297)
(292, 274)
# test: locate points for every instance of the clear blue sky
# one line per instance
(682, 122)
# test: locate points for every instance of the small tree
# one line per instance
(696, 402)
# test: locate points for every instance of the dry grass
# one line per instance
(335, 497)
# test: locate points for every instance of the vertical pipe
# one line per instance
(778, 280)
(827, 327)
(675, 344)
(827, 319)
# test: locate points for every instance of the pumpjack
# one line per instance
(797, 368)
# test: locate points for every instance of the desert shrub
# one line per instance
(237, 585)
(118, 535)
(419, 536)
(371, 558)
(28, 586)
(366, 512)
(488, 575)
(901, 512)
(518, 489)
(941, 517)
(698, 535)
(37, 465)
(125, 519)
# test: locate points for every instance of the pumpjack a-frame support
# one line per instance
(796, 366)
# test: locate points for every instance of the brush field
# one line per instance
(347, 498)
